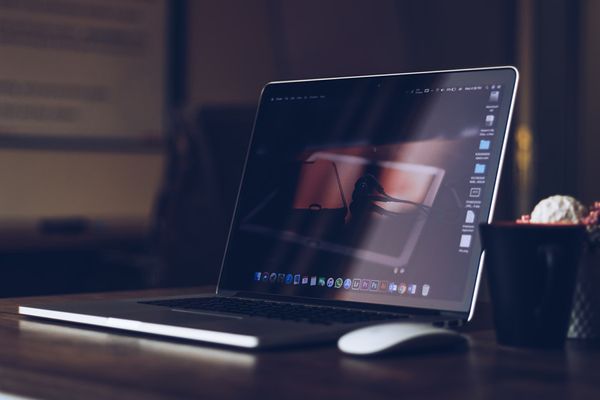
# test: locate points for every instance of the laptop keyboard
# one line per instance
(275, 310)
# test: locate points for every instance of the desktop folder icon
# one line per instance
(484, 144)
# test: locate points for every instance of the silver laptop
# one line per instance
(359, 203)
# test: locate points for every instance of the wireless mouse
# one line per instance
(398, 338)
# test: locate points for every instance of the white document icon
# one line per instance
(470, 218)
(465, 241)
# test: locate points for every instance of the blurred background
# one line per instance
(124, 124)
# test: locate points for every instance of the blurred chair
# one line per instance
(195, 205)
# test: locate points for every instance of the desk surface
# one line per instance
(59, 361)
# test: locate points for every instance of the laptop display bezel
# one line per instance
(466, 314)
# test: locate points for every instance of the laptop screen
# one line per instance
(370, 189)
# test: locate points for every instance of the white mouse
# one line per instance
(398, 337)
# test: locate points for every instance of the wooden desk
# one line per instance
(58, 361)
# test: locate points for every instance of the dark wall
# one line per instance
(237, 46)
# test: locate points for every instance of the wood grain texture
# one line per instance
(60, 361)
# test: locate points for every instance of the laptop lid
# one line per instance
(369, 189)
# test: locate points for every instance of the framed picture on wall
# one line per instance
(91, 73)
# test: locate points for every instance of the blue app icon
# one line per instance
(479, 168)
(484, 144)
(257, 276)
(289, 278)
(297, 279)
(347, 283)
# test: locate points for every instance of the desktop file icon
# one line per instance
(470, 218)
(465, 241)
(494, 96)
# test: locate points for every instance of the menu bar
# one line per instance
(452, 89)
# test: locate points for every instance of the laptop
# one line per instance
(359, 203)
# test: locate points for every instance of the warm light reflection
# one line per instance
(523, 161)
(524, 139)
